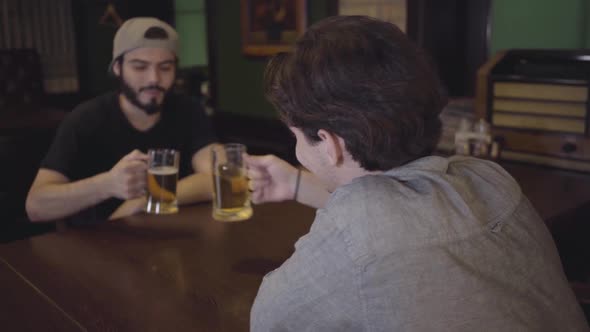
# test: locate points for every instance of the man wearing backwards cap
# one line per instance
(96, 166)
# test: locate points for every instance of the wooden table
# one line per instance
(183, 272)
(24, 308)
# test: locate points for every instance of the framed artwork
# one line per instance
(271, 26)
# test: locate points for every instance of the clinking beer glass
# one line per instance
(162, 177)
(231, 198)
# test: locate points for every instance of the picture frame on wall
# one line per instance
(271, 26)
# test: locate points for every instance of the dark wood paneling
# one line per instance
(455, 34)
(260, 135)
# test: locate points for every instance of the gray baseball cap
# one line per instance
(143, 32)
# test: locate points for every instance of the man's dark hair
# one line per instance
(365, 81)
(155, 33)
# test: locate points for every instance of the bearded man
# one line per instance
(95, 169)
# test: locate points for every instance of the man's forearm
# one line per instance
(56, 201)
(195, 188)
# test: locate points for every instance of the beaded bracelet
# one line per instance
(297, 184)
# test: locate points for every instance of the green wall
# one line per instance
(191, 26)
(239, 78)
(515, 24)
(540, 24)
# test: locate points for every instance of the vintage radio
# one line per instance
(537, 102)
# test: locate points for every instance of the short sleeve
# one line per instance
(62, 153)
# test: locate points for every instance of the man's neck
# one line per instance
(348, 173)
(137, 117)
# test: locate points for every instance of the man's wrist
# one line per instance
(103, 185)
(297, 184)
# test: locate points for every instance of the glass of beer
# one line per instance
(162, 178)
(231, 198)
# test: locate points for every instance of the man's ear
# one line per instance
(117, 68)
(333, 146)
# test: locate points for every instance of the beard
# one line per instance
(150, 108)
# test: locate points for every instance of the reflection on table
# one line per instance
(142, 273)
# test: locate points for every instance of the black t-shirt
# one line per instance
(96, 135)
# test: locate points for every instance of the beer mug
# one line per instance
(231, 198)
(162, 177)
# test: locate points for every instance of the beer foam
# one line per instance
(163, 170)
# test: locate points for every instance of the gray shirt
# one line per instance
(436, 245)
